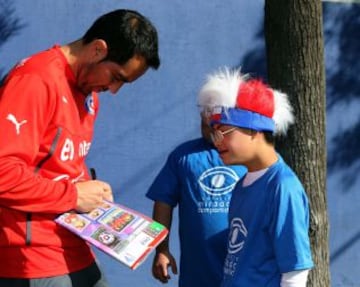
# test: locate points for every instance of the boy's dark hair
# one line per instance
(269, 137)
(126, 34)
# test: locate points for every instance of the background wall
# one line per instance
(139, 127)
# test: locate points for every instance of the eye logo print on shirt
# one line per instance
(237, 235)
(89, 105)
(218, 180)
(17, 124)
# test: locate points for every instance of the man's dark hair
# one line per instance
(126, 34)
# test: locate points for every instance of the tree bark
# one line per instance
(295, 60)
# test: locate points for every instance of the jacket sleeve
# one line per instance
(25, 112)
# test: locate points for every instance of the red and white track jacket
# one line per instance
(46, 129)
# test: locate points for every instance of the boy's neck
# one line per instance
(264, 158)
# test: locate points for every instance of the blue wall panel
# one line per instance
(138, 127)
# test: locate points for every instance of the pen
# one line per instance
(93, 173)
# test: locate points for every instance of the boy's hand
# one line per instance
(162, 261)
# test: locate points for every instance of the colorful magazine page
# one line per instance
(125, 234)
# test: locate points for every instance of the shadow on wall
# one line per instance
(10, 25)
(254, 61)
(343, 86)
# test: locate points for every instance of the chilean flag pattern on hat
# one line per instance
(256, 97)
(237, 100)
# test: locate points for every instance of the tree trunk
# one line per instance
(295, 60)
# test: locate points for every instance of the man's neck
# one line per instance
(72, 52)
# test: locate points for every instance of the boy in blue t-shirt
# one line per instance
(268, 243)
(195, 180)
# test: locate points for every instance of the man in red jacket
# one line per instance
(48, 106)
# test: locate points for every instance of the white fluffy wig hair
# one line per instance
(228, 89)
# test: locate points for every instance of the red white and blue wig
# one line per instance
(236, 100)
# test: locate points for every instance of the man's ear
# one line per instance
(99, 49)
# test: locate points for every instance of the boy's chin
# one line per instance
(226, 160)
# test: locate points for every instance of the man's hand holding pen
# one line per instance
(91, 193)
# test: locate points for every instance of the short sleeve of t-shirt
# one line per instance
(165, 187)
(290, 217)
